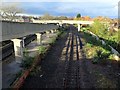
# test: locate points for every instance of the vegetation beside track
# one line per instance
(30, 63)
(95, 50)
(104, 32)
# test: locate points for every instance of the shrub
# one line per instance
(98, 28)
(111, 37)
(101, 55)
(25, 52)
(52, 41)
(42, 49)
(89, 45)
(95, 50)
(27, 62)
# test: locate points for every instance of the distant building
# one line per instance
(26, 19)
(18, 19)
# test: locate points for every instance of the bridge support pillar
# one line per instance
(23, 41)
(55, 30)
(18, 44)
(60, 24)
(78, 27)
(52, 31)
(47, 32)
(39, 38)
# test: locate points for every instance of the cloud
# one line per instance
(71, 7)
(92, 9)
(107, 1)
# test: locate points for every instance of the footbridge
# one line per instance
(61, 22)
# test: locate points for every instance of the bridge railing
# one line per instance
(63, 21)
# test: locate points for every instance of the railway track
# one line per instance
(72, 65)
(67, 71)
(66, 66)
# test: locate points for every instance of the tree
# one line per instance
(98, 28)
(47, 17)
(78, 15)
(9, 11)
(87, 18)
(101, 18)
(61, 18)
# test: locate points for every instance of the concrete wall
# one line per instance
(11, 30)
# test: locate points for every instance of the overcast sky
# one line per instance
(91, 8)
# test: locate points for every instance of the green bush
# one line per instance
(111, 37)
(101, 55)
(27, 62)
(95, 50)
(89, 45)
(60, 32)
(83, 29)
(25, 52)
(52, 41)
(98, 28)
(42, 49)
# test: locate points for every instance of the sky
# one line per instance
(71, 8)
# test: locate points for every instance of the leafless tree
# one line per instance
(47, 17)
(9, 11)
(50, 17)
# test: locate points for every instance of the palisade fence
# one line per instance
(114, 51)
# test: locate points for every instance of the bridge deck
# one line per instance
(12, 30)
